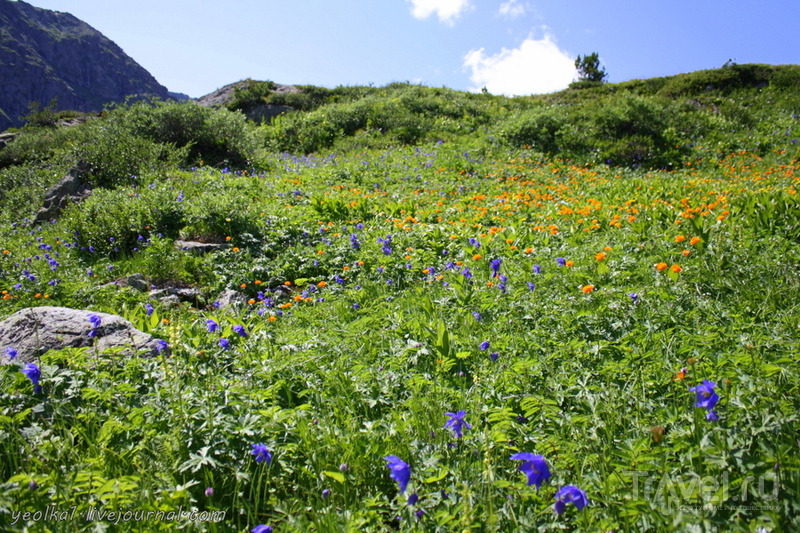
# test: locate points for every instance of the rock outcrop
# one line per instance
(46, 54)
(71, 189)
(33, 331)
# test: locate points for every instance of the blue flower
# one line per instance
(33, 372)
(534, 466)
(212, 326)
(149, 309)
(457, 423)
(261, 528)
(475, 242)
(712, 416)
(570, 494)
(484, 345)
(494, 356)
(634, 297)
(239, 330)
(94, 319)
(477, 316)
(11, 353)
(706, 397)
(261, 452)
(531, 286)
(224, 343)
(413, 499)
(561, 261)
(161, 345)
(495, 266)
(537, 269)
(398, 471)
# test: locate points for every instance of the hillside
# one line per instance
(412, 309)
(46, 54)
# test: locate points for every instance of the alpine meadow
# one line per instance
(418, 309)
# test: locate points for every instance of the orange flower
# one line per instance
(345, 267)
(608, 248)
(272, 318)
(528, 250)
(587, 289)
(680, 238)
(164, 321)
(681, 374)
(37, 295)
(322, 284)
(251, 301)
(476, 257)
(258, 282)
(686, 252)
(320, 252)
(569, 263)
(227, 239)
(287, 283)
(661, 266)
(676, 268)
(600, 256)
(235, 249)
(243, 286)
(694, 240)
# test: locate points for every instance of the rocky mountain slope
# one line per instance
(47, 54)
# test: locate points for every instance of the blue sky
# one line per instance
(508, 46)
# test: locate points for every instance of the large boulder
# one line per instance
(35, 330)
(70, 190)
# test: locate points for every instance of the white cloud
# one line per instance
(512, 9)
(447, 10)
(537, 66)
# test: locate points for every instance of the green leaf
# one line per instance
(438, 477)
(338, 476)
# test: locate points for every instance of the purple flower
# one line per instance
(712, 416)
(239, 330)
(457, 423)
(354, 241)
(209, 492)
(261, 452)
(161, 345)
(495, 266)
(494, 356)
(561, 261)
(475, 242)
(94, 319)
(537, 269)
(484, 345)
(149, 309)
(224, 343)
(706, 397)
(531, 286)
(413, 499)
(212, 326)
(570, 494)
(398, 471)
(634, 297)
(326, 493)
(534, 466)
(261, 528)
(11, 353)
(33, 372)
(477, 316)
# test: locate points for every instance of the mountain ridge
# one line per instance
(48, 54)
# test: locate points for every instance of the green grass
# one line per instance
(378, 340)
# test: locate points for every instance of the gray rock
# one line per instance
(71, 189)
(35, 330)
(138, 282)
(199, 248)
(230, 299)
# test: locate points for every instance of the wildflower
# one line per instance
(680, 238)
(261, 453)
(413, 499)
(484, 345)
(209, 492)
(600, 256)
(586, 289)
(476, 316)
(681, 374)
(570, 494)
(224, 343)
(326, 493)
(33, 372)
(343, 467)
(706, 397)
(537, 269)
(456, 423)
(94, 319)
(212, 326)
(635, 297)
(148, 309)
(561, 261)
(694, 240)
(261, 528)
(661, 266)
(476, 257)
(161, 345)
(11, 353)
(493, 356)
(712, 416)
(400, 471)
(531, 286)
(569, 263)
(534, 466)
(239, 330)
(676, 268)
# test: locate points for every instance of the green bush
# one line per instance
(115, 221)
(250, 94)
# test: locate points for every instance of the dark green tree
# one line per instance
(589, 68)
